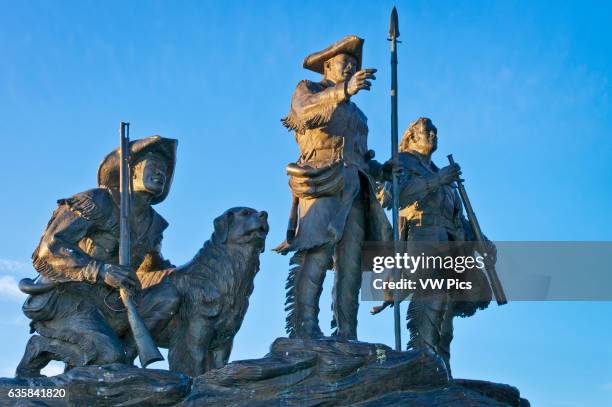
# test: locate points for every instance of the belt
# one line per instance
(430, 220)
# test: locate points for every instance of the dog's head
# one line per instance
(241, 226)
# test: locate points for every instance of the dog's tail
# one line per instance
(295, 263)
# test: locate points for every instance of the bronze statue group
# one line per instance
(339, 194)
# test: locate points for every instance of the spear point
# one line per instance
(393, 25)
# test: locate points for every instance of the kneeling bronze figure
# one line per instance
(194, 310)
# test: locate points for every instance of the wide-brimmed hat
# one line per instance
(351, 44)
(165, 148)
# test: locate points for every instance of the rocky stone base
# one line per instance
(108, 385)
(459, 393)
(325, 372)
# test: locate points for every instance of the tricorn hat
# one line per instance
(165, 148)
(351, 44)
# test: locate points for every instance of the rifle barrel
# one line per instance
(147, 351)
(496, 286)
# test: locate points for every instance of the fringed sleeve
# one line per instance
(58, 255)
(313, 105)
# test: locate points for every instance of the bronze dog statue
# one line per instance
(214, 289)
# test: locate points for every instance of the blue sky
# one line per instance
(520, 93)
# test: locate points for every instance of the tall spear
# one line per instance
(393, 34)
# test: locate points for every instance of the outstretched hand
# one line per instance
(360, 80)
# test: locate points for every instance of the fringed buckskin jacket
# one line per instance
(83, 235)
(331, 132)
(434, 213)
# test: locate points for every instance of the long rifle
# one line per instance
(496, 286)
(147, 351)
(393, 34)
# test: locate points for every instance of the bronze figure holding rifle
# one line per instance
(431, 211)
(74, 304)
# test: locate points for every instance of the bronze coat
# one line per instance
(431, 213)
(329, 128)
(83, 235)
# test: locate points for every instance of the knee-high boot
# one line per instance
(304, 286)
(425, 317)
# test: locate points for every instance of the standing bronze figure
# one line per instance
(431, 211)
(334, 202)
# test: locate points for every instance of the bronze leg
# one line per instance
(221, 355)
(98, 343)
(189, 348)
(40, 351)
(425, 316)
(446, 336)
(348, 273)
(304, 321)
